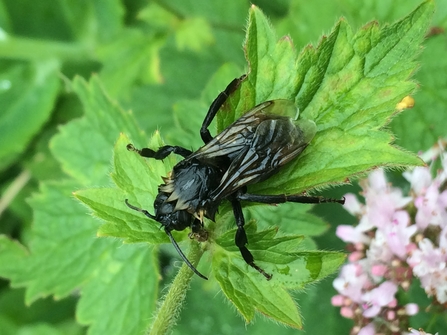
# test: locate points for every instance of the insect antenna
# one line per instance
(182, 255)
(173, 241)
(145, 212)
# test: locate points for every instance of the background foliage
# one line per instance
(154, 58)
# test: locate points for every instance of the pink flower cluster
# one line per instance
(398, 237)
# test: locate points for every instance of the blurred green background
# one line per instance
(150, 56)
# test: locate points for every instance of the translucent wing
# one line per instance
(235, 138)
(275, 141)
(256, 145)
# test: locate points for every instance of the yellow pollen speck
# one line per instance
(407, 102)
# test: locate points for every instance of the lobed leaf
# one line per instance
(276, 255)
(64, 253)
(136, 179)
(27, 96)
(291, 217)
(349, 85)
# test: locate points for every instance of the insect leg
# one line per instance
(281, 198)
(241, 238)
(215, 106)
(161, 153)
(198, 232)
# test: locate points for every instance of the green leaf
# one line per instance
(18, 318)
(229, 13)
(290, 217)
(27, 96)
(272, 73)
(126, 277)
(313, 304)
(421, 126)
(349, 85)
(108, 203)
(105, 273)
(131, 57)
(64, 254)
(11, 253)
(84, 146)
(35, 270)
(158, 17)
(305, 23)
(276, 255)
(194, 33)
(189, 114)
(65, 20)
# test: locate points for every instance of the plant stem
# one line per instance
(35, 49)
(171, 306)
(11, 192)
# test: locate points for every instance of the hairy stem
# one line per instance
(171, 306)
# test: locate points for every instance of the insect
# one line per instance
(248, 151)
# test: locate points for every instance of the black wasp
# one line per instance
(250, 150)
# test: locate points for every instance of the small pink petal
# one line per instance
(420, 179)
(411, 247)
(337, 300)
(347, 312)
(377, 180)
(379, 270)
(352, 205)
(393, 303)
(355, 256)
(369, 329)
(391, 315)
(372, 311)
(351, 234)
(411, 309)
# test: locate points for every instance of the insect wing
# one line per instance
(275, 142)
(235, 137)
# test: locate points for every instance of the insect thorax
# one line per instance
(190, 185)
